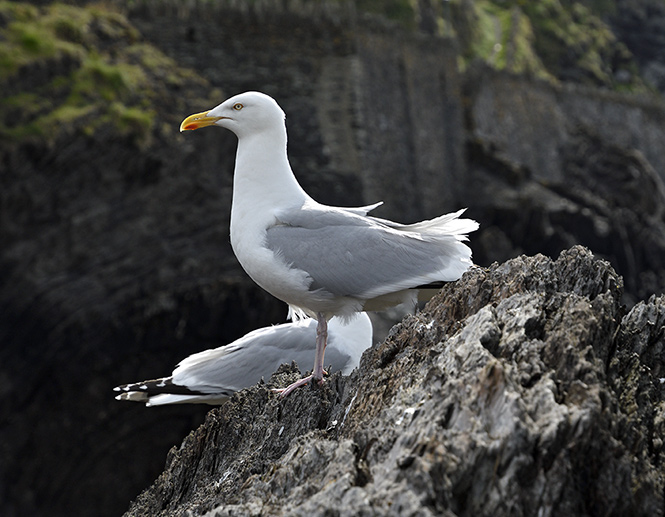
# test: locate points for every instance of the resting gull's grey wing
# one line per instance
(214, 375)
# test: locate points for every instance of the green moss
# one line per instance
(149, 57)
(18, 11)
(8, 64)
(401, 11)
(48, 123)
(575, 44)
(69, 24)
(113, 26)
(26, 38)
(85, 87)
(24, 105)
(65, 114)
(552, 39)
(27, 41)
(484, 33)
(97, 78)
(21, 133)
(502, 36)
(32, 41)
(132, 120)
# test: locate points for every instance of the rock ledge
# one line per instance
(518, 390)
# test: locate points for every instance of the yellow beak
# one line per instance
(198, 120)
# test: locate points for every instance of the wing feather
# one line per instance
(347, 254)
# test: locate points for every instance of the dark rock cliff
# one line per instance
(554, 166)
(115, 262)
(521, 389)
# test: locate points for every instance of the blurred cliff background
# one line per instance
(545, 118)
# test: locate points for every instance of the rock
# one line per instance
(551, 167)
(637, 377)
(103, 275)
(115, 262)
(516, 391)
(639, 23)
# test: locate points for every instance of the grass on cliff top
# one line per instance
(67, 69)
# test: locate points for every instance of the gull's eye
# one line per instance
(237, 107)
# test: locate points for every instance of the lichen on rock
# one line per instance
(70, 70)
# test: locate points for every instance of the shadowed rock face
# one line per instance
(115, 262)
(551, 167)
(640, 24)
(519, 390)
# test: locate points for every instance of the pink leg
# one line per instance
(283, 392)
(321, 342)
(318, 372)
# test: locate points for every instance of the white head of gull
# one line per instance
(323, 261)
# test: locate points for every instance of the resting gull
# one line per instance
(323, 261)
(214, 375)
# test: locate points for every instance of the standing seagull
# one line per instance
(323, 261)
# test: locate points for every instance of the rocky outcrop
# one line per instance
(521, 389)
(556, 166)
(115, 262)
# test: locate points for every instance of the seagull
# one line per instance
(212, 376)
(323, 261)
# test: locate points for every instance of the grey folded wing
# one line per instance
(351, 255)
(255, 356)
(216, 374)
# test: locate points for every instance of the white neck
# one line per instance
(263, 175)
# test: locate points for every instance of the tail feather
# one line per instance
(444, 226)
(144, 391)
(448, 224)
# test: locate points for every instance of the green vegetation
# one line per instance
(563, 40)
(576, 44)
(68, 70)
(402, 11)
(551, 39)
(503, 37)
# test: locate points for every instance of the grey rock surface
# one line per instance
(519, 390)
(114, 257)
